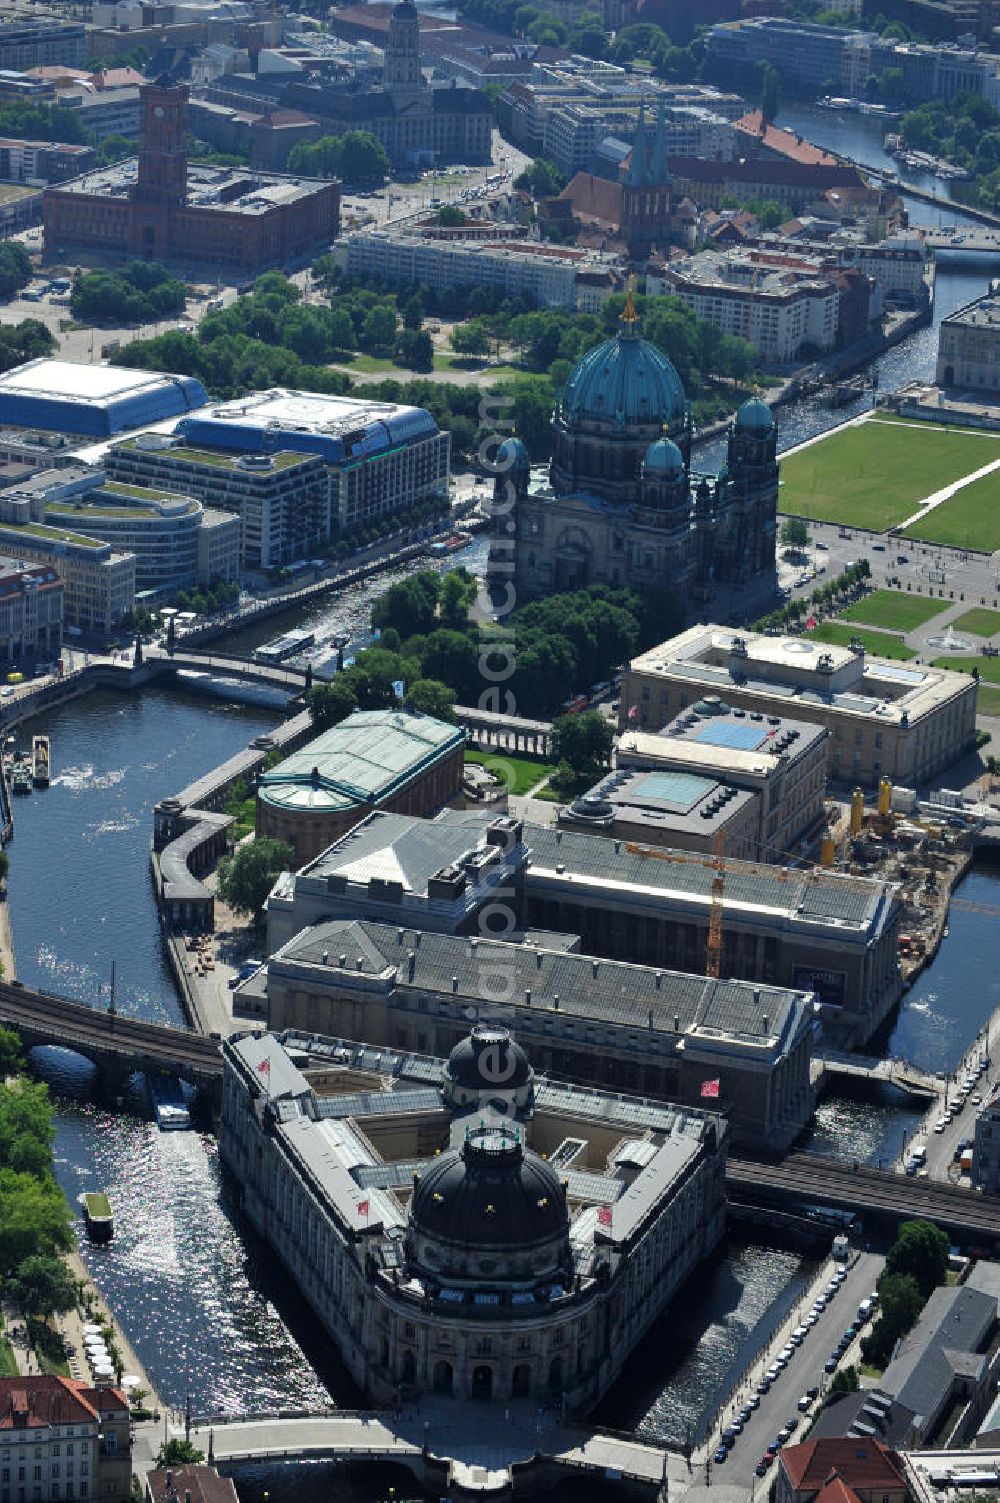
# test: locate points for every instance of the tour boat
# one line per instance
(97, 1217)
(282, 648)
(40, 761)
(168, 1103)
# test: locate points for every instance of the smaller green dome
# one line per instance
(755, 417)
(663, 458)
(512, 455)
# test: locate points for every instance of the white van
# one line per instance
(841, 1248)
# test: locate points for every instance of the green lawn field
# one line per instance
(893, 609)
(971, 519)
(980, 622)
(878, 643)
(875, 474)
(524, 773)
(988, 699)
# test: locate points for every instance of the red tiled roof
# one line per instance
(860, 1461)
(836, 1490)
(767, 170)
(48, 1400)
(202, 1482)
(785, 141)
(594, 198)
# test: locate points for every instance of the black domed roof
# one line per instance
(490, 1193)
(488, 1059)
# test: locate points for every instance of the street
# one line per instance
(779, 1406)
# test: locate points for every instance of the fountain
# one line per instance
(949, 641)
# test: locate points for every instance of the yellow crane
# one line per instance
(713, 949)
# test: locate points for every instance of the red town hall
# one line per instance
(158, 207)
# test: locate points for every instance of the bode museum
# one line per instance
(620, 504)
(463, 1227)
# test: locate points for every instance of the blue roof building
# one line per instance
(96, 401)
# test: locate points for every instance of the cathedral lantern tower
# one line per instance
(750, 503)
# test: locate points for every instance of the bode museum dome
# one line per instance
(461, 1227)
(620, 503)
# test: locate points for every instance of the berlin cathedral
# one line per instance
(620, 504)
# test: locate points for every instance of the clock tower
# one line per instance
(160, 187)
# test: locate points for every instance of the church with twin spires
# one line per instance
(620, 504)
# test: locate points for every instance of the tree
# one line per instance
(331, 703)
(246, 878)
(451, 216)
(43, 1285)
(178, 1453)
(542, 179)
(378, 332)
(770, 83)
(845, 1381)
(584, 741)
(11, 1055)
(415, 349)
(409, 606)
(431, 697)
(15, 268)
(34, 1218)
(900, 1302)
(472, 338)
(458, 592)
(921, 1251)
(795, 533)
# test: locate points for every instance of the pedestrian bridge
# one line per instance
(906, 1077)
(471, 1451)
(117, 1045)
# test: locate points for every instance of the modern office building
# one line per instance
(462, 1228)
(969, 347)
(74, 1437)
(42, 161)
(157, 207)
(375, 759)
(618, 505)
(26, 42)
(902, 721)
(92, 401)
(715, 780)
(98, 583)
(281, 500)
(811, 931)
(31, 610)
(382, 457)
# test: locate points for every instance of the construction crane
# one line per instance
(713, 949)
(713, 952)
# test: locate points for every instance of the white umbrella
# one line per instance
(91, 1330)
(103, 1370)
(131, 1380)
(95, 1344)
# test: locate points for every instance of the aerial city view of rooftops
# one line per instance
(499, 808)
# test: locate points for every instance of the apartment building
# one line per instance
(31, 610)
(547, 273)
(780, 308)
(98, 583)
(29, 43)
(62, 1439)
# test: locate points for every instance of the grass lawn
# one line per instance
(971, 519)
(49, 1348)
(524, 772)
(8, 1364)
(893, 609)
(980, 622)
(878, 643)
(357, 360)
(875, 474)
(988, 699)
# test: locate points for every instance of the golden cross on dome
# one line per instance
(629, 315)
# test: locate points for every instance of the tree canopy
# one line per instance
(141, 292)
(43, 1285)
(584, 741)
(357, 157)
(15, 268)
(920, 1250)
(23, 341)
(246, 877)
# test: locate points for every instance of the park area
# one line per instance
(893, 610)
(878, 643)
(875, 474)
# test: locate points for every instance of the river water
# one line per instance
(208, 1312)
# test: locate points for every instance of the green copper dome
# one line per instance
(625, 381)
(663, 458)
(755, 416)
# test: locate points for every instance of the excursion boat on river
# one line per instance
(168, 1104)
(40, 761)
(283, 648)
(97, 1217)
(20, 777)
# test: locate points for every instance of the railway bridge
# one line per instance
(811, 1179)
(116, 1044)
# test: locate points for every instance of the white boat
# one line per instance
(168, 1103)
(282, 648)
